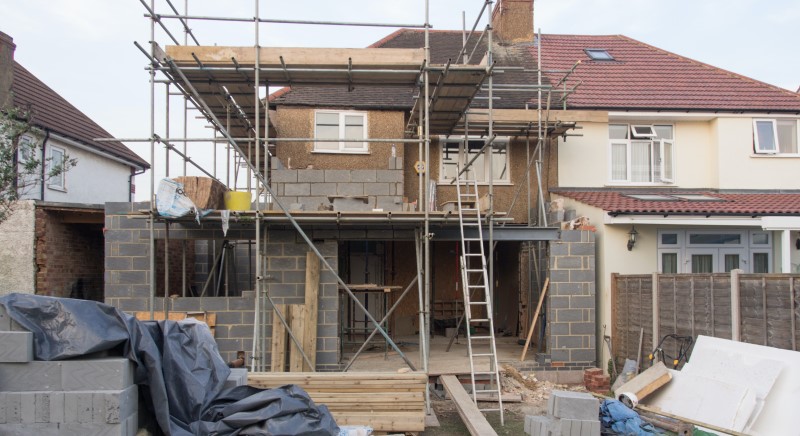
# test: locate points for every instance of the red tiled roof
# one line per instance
(619, 202)
(646, 77)
(51, 111)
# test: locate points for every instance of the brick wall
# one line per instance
(312, 188)
(127, 280)
(69, 257)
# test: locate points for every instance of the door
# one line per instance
(731, 259)
(701, 260)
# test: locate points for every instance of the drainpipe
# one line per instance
(44, 146)
(134, 173)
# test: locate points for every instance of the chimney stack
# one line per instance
(6, 69)
(512, 20)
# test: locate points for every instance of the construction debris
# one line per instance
(643, 385)
(595, 381)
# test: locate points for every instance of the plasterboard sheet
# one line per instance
(707, 400)
(779, 415)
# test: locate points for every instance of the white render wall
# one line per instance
(95, 179)
(17, 235)
(715, 153)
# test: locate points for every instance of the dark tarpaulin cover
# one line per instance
(178, 368)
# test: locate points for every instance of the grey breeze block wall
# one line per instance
(570, 333)
(127, 275)
(312, 188)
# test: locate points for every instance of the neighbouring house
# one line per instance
(53, 243)
(695, 170)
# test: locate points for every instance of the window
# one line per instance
(775, 136)
(56, 160)
(712, 251)
(641, 154)
(456, 153)
(599, 54)
(351, 126)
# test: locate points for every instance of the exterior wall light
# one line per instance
(632, 238)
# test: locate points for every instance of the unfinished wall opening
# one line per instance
(69, 252)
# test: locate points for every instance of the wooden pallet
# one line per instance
(384, 401)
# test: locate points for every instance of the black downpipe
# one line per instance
(134, 173)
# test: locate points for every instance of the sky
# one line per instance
(84, 48)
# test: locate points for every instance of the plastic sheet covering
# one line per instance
(617, 418)
(178, 369)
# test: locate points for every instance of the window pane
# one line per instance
(715, 239)
(353, 120)
(760, 238)
(787, 136)
(669, 238)
(354, 132)
(500, 162)
(667, 172)
(663, 132)
(619, 162)
(327, 132)
(618, 131)
(450, 161)
(760, 263)
(669, 263)
(331, 119)
(476, 171)
(640, 162)
(702, 263)
(56, 161)
(731, 262)
(643, 131)
(765, 135)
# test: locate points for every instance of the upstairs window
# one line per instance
(56, 162)
(349, 127)
(456, 153)
(641, 154)
(771, 136)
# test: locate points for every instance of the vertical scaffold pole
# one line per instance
(151, 300)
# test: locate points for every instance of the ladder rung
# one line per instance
(479, 320)
(473, 270)
(473, 254)
(469, 209)
(473, 239)
(486, 373)
(485, 391)
(490, 410)
(480, 337)
(482, 354)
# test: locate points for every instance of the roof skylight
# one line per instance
(652, 197)
(599, 54)
(697, 197)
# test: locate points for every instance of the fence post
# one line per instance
(656, 335)
(736, 314)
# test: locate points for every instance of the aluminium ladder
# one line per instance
(475, 284)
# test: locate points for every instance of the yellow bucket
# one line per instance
(237, 200)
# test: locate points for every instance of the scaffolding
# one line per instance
(227, 93)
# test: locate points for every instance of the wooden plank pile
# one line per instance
(385, 401)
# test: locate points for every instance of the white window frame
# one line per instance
(62, 177)
(340, 146)
(757, 147)
(745, 250)
(638, 135)
(657, 157)
(464, 157)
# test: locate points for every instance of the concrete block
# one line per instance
(84, 402)
(7, 324)
(13, 407)
(27, 407)
(573, 405)
(29, 429)
(114, 407)
(97, 374)
(238, 377)
(30, 376)
(3, 405)
(576, 427)
(56, 413)
(351, 205)
(541, 425)
(92, 429)
(42, 406)
(16, 346)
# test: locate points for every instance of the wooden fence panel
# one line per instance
(700, 304)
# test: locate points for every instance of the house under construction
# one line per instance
(398, 201)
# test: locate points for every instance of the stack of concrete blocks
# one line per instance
(568, 414)
(69, 397)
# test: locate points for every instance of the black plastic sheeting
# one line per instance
(178, 368)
